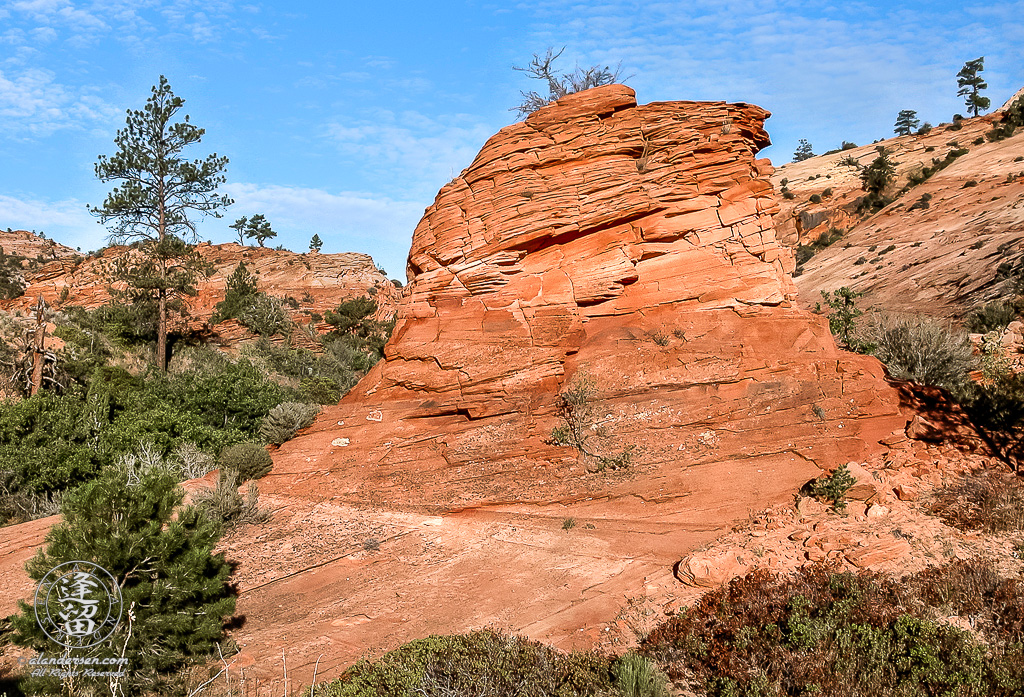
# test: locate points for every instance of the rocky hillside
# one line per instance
(311, 283)
(600, 397)
(937, 248)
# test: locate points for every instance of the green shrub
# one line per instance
(815, 198)
(921, 203)
(992, 316)
(352, 316)
(247, 460)
(265, 315)
(824, 633)
(636, 676)
(285, 420)
(996, 408)
(922, 350)
(843, 312)
(320, 390)
(161, 556)
(240, 292)
(468, 664)
(805, 251)
(258, 312)
(12, 277)
(833, 488)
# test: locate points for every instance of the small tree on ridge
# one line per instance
(804, 151)
(906, 122)
(560, 84)
(971, 84)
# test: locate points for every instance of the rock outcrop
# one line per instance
(632, 244)
(30, 245)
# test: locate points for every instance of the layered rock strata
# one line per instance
(631, 244)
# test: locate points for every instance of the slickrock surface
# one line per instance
(937, 248)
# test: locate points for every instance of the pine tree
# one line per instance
(150, 208)
(239, 227)
(804, 151)
(971, 84)
(879, 174)
(240, 293)
(316, 244)
(906, 121)
(175, 590)
(259, 229)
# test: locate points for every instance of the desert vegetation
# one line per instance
(823, 632)
(930, 352)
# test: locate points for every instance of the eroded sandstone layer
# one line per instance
(634, 244)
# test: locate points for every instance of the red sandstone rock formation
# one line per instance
(632, 243)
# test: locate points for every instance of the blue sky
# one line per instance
(344, 119)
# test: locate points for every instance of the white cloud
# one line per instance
(826, 72)
(66, 221)
(31, 102)
(346, 221)
(427, 151)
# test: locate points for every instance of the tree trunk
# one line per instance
(38, 348)
(161, 333)
(161, 324)
(38, 358)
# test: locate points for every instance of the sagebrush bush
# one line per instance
(265, 316)
(922, 350)
(248, 460)
(637, 676)
(982, 500)
(285, 420)
(225, 506)
(481, 663)
(990, 317)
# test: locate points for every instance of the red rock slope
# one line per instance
(633, 243)
(934, 250)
